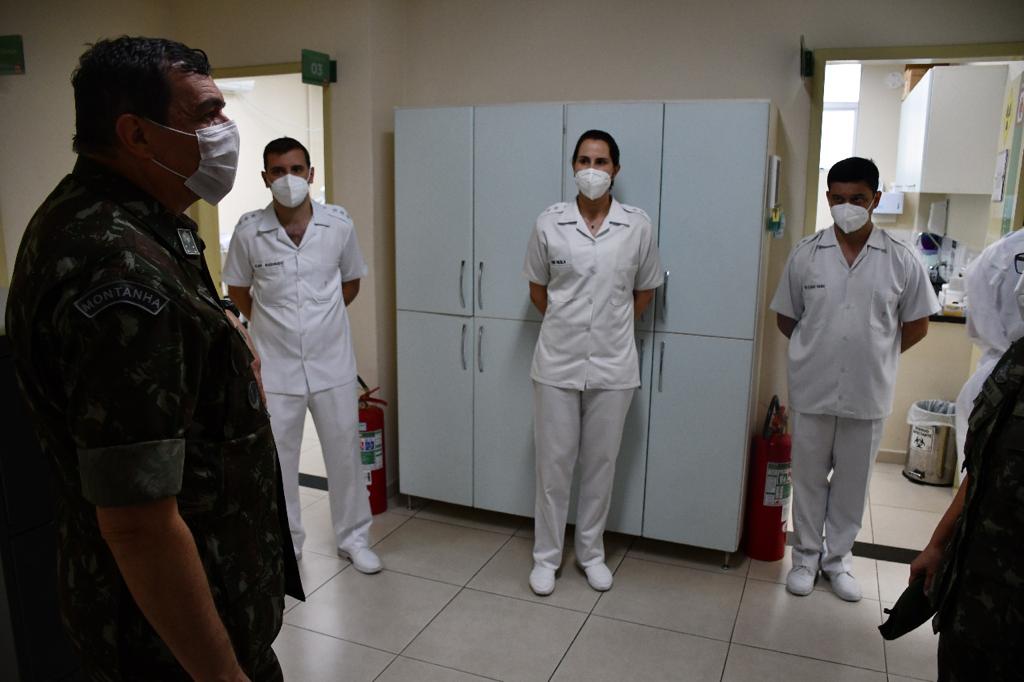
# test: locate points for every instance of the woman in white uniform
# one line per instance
(593, 267)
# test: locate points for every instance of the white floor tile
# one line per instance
(499, 637)
(317, 569)
(913, 654)
(864, 570)
(691, 557)
(308, 498)
(508, 572)
(406, 504)
(311, 459)
(316, 520)
(817, 626)
(313, 657)
(480, 519)
(898, 527)
(746, 663)
(890, 488)
(673, 597)
(385, 611)
(438, 551)
(612, 651)
(892, 580)
(408, 670)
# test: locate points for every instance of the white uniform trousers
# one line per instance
(845, 447)
(571, 425)
(335, 416)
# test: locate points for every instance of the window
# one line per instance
(839, 115)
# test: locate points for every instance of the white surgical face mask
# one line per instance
(290, 190)
(850, 217)
(218, 160)
(593, 183)
(1019, 293)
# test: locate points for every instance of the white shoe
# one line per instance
(364, 559)
(542, 580)
(599, 577)
(845, 586)
(800, 580)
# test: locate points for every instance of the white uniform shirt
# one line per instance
(993, 321)
(844, 351)
(586, 338)
(299, 323)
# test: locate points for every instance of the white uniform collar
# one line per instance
(876, 239)
(269, 221)
(616, 215)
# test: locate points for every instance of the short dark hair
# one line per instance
(126, 75)
(283, 145)
(613, 148)
(854, 169)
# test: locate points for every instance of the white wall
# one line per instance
(426, 52)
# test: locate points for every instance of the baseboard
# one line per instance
(891, 456)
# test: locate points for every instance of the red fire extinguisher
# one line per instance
(770, 488)
(371, 447)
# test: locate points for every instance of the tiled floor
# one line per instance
(453, 604)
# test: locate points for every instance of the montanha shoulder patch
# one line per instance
(112, 293)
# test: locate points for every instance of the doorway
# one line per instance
(859, 99)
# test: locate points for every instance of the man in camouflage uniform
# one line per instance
(974, 563)
(173, 548)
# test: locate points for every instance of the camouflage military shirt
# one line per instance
(140, 389)
(979, 590)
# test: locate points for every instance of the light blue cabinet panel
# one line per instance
(435, 406)
(434, 210)
(517, 174)
(503, 470)
(636, 127)
(697, 450)
(712, 216)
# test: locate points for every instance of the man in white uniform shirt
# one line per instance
(292, 268)
(851, 299)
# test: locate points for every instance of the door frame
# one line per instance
(204, 214)
(926, 53)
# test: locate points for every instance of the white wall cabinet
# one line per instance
(464, 393)
(949, 127)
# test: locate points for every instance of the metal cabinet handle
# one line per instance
(664, 296)
(463, 346)
(480, 349)
(462, 287)
(641, 362)
(480, 287)
(661, 365)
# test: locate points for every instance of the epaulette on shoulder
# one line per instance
(250, 217)
(635, 209)
(338, 212)
(556, 208)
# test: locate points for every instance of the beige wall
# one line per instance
(427, 52)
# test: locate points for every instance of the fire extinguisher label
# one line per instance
(371, 450)
(778, 485)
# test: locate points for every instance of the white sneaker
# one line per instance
(364, 559)
(542, 580)
(599, 577)
(800, 580)
(845, 586)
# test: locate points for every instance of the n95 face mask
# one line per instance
(849, 217)
(218, 160)
(290, 190)
(593, 183)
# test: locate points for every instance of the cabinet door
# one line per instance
(913, 128)
(697, 447)
(625, 515)
(517, 173)
(434, 210)
(435, 406)
(712, 216)
(503, 459)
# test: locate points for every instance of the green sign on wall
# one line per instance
(12, 55)
(318, 68)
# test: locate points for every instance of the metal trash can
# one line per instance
(931, 448)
